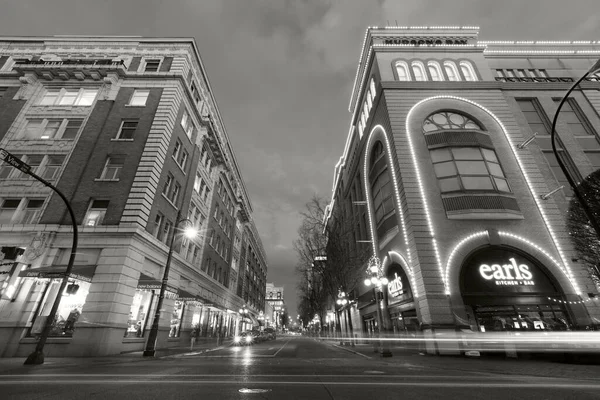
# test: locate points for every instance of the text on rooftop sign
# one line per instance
(426, 42)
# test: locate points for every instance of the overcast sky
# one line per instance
(282, 72)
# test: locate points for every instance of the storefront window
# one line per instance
(176, 317)
(69, 310)
(138, 314)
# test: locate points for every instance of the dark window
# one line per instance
(128, 128)
(152, 65)
(381, 185)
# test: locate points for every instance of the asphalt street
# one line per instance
(294, 368)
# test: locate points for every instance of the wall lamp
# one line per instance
(547, 195)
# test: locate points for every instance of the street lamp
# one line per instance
(190, 232)
(584, 204)
(376, 279)
(341, 301)
(244, 312)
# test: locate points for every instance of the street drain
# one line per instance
(246, 390)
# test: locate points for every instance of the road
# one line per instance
(290, 368)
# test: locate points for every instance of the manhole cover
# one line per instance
(246, 390)
(374, 372)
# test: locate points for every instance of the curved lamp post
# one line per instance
(341, 301)
(376, 279)
(584, 204)
(190, 232)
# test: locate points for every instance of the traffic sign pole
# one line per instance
(37, 357)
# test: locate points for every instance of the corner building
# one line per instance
(129, 130)
(460, 209)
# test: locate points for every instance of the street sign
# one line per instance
(14, 161)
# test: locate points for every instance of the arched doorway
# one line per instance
(506, 289)
(400, 301)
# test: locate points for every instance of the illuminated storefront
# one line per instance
(504, 289)
(400, 301)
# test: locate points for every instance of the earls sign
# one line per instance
(498, 270)
(507, 274)
(395, 286)
(398, 287)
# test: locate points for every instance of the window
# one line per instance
(52, 168)
(112, 168)
(538, 122)
(468, 71)
(171, 189)
(34, 161)
(127, 129)
(152, 65)
(96, 212)
(179, 154)
(187, 124)
(434, 71)
(198, 183)
(463, 168)
(32, 211)
(448, 120)
(381, 185)
(68, 97)
(139, 98)
(583, 131)
(72, 128)
(167, 231)
(8, 210)
(157, 228)
(419, 71)
(451, 71)
(468, 168)
(402, 70)
(6, 170)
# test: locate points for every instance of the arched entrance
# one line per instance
(507, 289)
(400, 301)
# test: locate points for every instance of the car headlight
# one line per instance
(237, 339)
(248, 339)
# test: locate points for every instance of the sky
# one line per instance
(282, 72)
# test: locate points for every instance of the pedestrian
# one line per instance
(193, 336)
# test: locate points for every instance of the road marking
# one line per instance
(277, 352)
(453, 384)
(246, 390)
(374, 372)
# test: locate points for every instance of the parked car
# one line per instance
(270, 333)
(258, 336)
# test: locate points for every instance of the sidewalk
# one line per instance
(8, 364)
(478, 365)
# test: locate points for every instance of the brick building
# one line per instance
(129, 130)
(455, 207)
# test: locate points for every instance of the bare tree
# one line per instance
(311, 243)
(583, 235)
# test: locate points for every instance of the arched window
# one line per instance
(419, 71)
(451, 71)
(402, 70)
(435, 71)
(461, 168)
(467, 70)
(381, 190)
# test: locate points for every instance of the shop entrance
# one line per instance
(521, 318)
(508, 290)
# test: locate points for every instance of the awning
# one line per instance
(182, 295)
(81, 272)
(149, 283)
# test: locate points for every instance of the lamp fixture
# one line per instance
(526, 142)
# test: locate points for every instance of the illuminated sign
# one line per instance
(499, 270)
(425, 41)
(395, 286)
(398, 287)
(503, 274)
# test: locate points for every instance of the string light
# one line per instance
(524, 172)
(572, 302)
(368, 194)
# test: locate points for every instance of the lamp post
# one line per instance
(584, 204)
(244, 312)
(378, 281)
(341, 301)
(190, 232)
